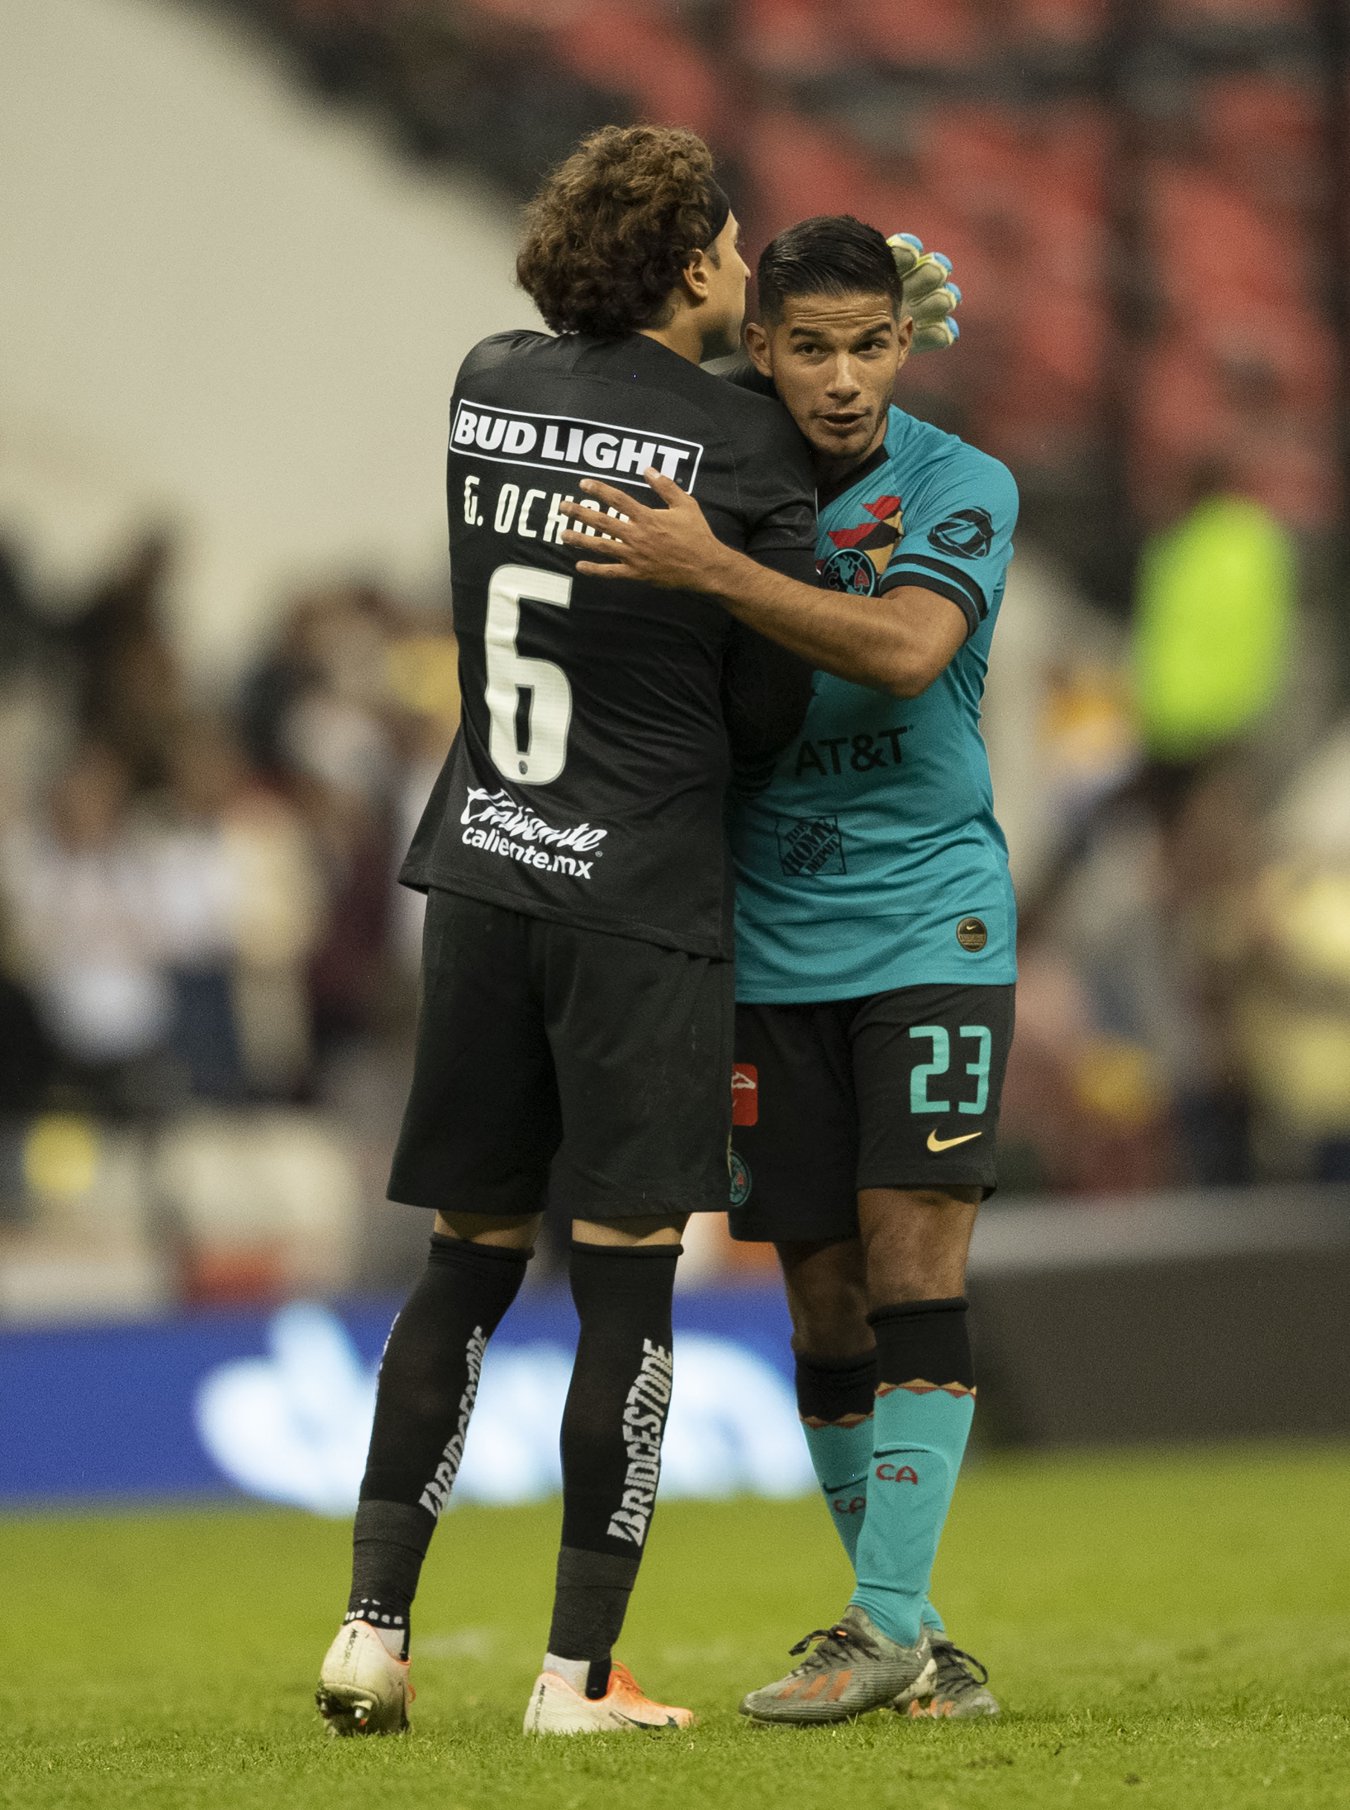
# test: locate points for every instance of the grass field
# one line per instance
(1166, 1632)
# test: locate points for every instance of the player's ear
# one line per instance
(905, 335)
(694, 278)
(757, 345)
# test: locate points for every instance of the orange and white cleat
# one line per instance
(363, 1689)
(556, 1708)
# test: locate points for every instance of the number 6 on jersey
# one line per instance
(529, 700)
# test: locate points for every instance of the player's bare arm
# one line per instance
(897, 643)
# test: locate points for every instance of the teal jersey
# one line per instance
(872, 859)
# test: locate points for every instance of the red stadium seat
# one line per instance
(1060, 21)
(788, 37)
(814, 37)
(1269, 136)
(1233, 12)
(637, 50)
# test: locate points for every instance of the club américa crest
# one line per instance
(860, 554)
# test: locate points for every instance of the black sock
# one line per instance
(835, 1391)
(389, 1542)
(611, 1441)
(427, 1385)
(929, 1339)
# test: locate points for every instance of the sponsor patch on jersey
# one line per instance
(595, 449)
(969, 534)
(744, 1093)
(808, 846)
(972, 934)
(498, 824)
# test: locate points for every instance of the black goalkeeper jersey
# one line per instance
(601, 717)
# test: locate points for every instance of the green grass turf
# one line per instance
(1166, 1631)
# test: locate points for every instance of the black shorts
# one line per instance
(564, 1062)
(898, 1090)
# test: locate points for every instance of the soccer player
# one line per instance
(875, 948)
(577, 1006)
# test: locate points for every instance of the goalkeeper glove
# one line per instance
(929, 292)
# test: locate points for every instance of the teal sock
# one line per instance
(842, 1457)
(835, 1400)
(925, 1404)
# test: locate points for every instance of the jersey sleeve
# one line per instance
(739, 370)
(957, 538)
(496, 350)
(778, 490)
(765, 692)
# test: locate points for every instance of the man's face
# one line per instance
(834, 360)
(724, 302)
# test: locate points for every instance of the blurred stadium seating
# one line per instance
(1108, 178)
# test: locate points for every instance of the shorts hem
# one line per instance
(753, 1233)
(946, 1180)
(572, 1207)
(485, 1206)
(752, 1228)
(637, 1206)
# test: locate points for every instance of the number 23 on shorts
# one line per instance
(973, 1039)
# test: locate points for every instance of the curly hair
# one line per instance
(608, 234)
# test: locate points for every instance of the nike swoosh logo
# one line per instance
(633, 1722)
(937, 1144)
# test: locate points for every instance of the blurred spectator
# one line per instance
(21, 630)
(1293, 1020)
(1213, 626)
(424, 676)
(27, 1060)
(242, 911)
(1085, 1111)
(131, 690)
(78, 883)
(322, 720)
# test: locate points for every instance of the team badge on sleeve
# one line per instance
(861, 553)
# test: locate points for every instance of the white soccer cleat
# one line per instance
(555, 1708)
(363, 1689)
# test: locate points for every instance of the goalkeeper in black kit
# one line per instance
(577, 1006)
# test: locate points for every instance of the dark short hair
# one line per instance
(613, 226)
(832, 254)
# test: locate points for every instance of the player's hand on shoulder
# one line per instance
(930, 294)
(671, 546)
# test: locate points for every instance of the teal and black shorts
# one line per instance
(896, 1090)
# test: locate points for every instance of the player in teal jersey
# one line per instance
(875, 944)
